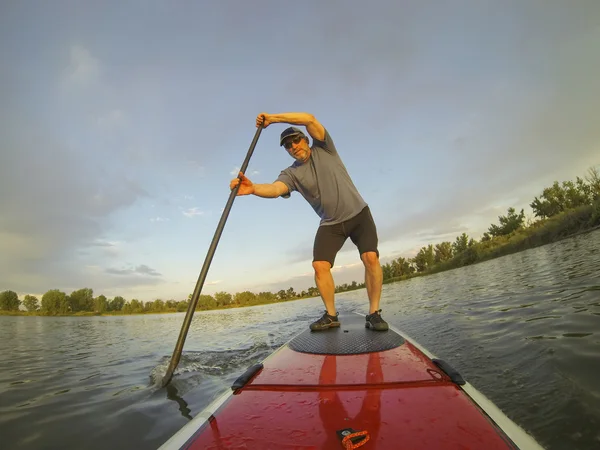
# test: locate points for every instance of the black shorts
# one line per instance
(330, 238)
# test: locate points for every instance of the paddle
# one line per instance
(211, 251)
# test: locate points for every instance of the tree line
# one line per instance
(561, 210)
(83, 302)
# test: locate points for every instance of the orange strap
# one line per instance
(347, 443)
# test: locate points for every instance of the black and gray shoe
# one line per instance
(376, 322)
(325, 322)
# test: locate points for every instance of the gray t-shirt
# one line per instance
(325, 184)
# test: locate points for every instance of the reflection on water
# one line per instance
(173, 394)
(524, 329)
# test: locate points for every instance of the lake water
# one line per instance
(524, 329)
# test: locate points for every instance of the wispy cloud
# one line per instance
(335, 268)
(113, 119)
(142, 269)
(159, 219)
(191, 212)
(83, 68)
(197, 167)
(248, 173)
(104, 243)
(345, 267)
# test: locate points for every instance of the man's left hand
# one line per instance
(263, 120)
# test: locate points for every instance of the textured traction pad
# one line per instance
(351, 338)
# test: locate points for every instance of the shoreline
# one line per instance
(516, 244)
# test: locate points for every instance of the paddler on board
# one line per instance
(319, 175)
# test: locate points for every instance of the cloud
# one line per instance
(110, 249)
(520, 135)
(342, 274)
(83, 68)
(103, 243)
(197, 167)
(441, 233)
(138, 270)
(78, 162)
(112, 120)
(191, 212)
(344, 267)
(249, 172)
(159, 219)
(58, 200)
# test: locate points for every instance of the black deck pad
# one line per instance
(351, 338)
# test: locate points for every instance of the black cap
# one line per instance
(291, 131)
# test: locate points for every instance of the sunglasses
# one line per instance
(288, 143)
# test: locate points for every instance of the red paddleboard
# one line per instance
(351, 387)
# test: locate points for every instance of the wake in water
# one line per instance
(221, 364)
(234, 352)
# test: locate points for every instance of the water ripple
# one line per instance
(524, 329)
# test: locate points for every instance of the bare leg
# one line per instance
(373, 279)
(324, 281)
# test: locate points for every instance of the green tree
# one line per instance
(313, 291)
(172, 304)
(82, 300)
(509, 223)
(55, 302)
(386, 270)
(116, 304)
(223, 298)
(593, 179)
(266, 297)
(578, 193)
(183, 305)
(9, 301)
(425, 258)
(245, 298)
(558, 198)
(136, 306)
(443, 252)
(341, 287)
(396, 268)
(158, 305)
(100, 304)
(461, 244)
(31, 302)
(402, 266)
(206, 302)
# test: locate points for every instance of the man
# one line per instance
(319, 175)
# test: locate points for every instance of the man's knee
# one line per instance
(370, 259)
(321, 267)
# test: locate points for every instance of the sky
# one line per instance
(122, 124)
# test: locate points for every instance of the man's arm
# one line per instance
(272, 190)
(313, 126)
(247, 187)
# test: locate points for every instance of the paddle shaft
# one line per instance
(202, 277)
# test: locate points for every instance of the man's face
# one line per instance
(297, 147)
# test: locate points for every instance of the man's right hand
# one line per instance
(246, 188)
